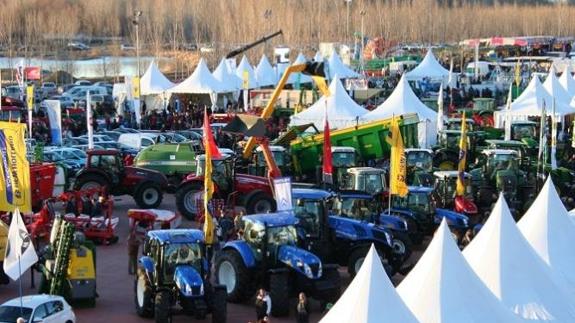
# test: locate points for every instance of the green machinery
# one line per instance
(174, 160)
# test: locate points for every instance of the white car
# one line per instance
(38, 308)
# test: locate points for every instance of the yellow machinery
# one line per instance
(82, 274)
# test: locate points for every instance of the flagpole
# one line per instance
(19, 273)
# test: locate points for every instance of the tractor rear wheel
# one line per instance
(148, 195)
(89, 181)
(260, 203)
(232, 273)
(402, 244)
(279, 293)
(186, 200)
(163, 304)
(143, 295)
(355, 261)
(219, 305)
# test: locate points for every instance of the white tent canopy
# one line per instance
(318, 57)
(200, 82)
(403, 101)
(556, 90)
(336, 68)
(370, 297)
(507, 264)
(567, 82)
(229, 80)
(430, 68)
(342, 110)
(299, 77)
(153, 81)
(265, 74)
(245, 66)
(443, 288)
(549, 230)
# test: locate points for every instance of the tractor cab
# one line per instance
(108, 161)
(259, 166)
(526, 132)
(343, 157)
(523, 153)
(455, 124)
(446, 154)
(445, 192)
(222, 170)
(419, 166)
(366, 179)
(264, 234)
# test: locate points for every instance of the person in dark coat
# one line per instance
(302, 309)
(263, 306)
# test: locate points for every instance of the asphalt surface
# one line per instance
(116, 286)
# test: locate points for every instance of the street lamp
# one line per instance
(136, 22)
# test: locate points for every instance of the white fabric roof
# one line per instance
(370, 297)
(200, 82)
(293, 79)
(549, 230)
(229, 80)
(530, 102)
(337, 68)
(507, 264)
(429, 67)
(567, 82)
(342, 110)
(556, 90)
(403, 101)
(246, 66)
(265, 74)
(153, 81)
(443, 288)
(318, 57)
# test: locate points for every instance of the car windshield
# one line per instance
(51, 157)
(341, 159)
(308, 212)
(279, 158)
(282, 235)
(370, 183)
(12, 313)
(420, 159)
(79, 153)
(521, 131)
(501, 161)
(181, 254)
(356, 208)
(419, 202)
(10, 115)
(219, 166)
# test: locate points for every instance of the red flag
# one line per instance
(209, 142)
(327, 164)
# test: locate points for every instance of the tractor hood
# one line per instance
(392, 223)
(151, 175)
(301, 261)
(454, 219)
(188, 281)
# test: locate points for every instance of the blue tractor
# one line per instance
(174, 270)
(340, 239)
(268, 257)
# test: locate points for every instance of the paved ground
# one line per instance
(116, 287)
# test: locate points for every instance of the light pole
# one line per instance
(136, 22)
(348, 2)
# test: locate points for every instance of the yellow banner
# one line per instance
(460, 189)
(136, 87)
(14, 168)
(397, 165)
(30, 97)
(208, 191)
(518, 74)
(246, 80)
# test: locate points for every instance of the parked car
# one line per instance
(112, 134)
(65, 101)
(78, 46)
(38, 308)
(83, 82)
(125, 130)
(127, 47)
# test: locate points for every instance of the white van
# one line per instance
(482, 69)
(139, 140)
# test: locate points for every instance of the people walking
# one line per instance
(263, 306)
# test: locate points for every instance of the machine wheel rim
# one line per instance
(262, 206)
(399, 246)
(189, 202)
(140, 287)
(358, 264)
(227, 276)
(90, 185)
(150, 196)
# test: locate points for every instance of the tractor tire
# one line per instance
(402, 244)
(232, 273)
(162, 308)
(260, 203)
(143, 295)
(148, 195)
(185, 201)
(355, 260)
(279, 293)
(89, 181)
(219, 305)
(332, 275)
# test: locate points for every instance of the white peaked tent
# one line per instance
(229, 80)
(342, 111)
(153, 81)
(567, 82)
(507, 264)
(550, 231)
(370, 297)
(429, 67)
(336, 68)
(200, 82)
(403, 101)
(265, 74)
(443, 288)
(318, 57)
(246, 66)
(556, 90)
(295, 77)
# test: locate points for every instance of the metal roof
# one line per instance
(449, 173)
(310, 193)
(277, 219)
(419, 189)
(500, 151)
(177, 235)
(342, 149)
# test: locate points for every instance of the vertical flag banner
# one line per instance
(440, 109)
(507, 113)
(518, 74)
(54, 112)
(398, 165)
(246, 88)
(14, 169)
(30, 106)
(211, 152)
(282, 191)
(89, 120)
(460, 185)
(553, 138)
(135, 86)
(542, 140)
(327, 165)
(20, 253)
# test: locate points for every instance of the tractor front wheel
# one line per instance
(260, 203)
(143, 295)
(279, 293)
(219, 304)
(148, 195)
(186, 200)
(355, 261)
(88, 182)
(231, 272)
(163, 305)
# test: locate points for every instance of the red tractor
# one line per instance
(104, 168)
(252, 192)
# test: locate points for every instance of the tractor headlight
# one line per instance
(202, 289)
(307, 271)
(465, 222)
(188, 290)
(388, 238)
(404, 225)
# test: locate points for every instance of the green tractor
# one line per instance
(446, 153)
(419, 166)
(258, 165)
